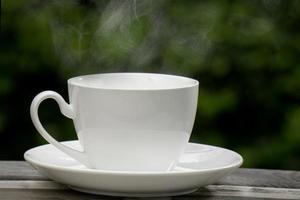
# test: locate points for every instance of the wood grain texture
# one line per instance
(246, 191)
(263, 178)
(30, 184)
(211, 190)
(20, 170)
(18, 180)
(65, 195)
(28, 194)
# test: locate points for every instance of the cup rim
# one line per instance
(189, 82)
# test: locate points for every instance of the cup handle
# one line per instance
(67, 110)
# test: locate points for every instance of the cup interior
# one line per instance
(133, 81)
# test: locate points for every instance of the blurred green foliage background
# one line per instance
(246, 55)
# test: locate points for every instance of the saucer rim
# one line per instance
(34, 162)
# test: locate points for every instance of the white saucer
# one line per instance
(200, 165)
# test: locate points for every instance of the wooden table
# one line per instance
(18, 180)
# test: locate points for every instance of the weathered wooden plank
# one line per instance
(30, 184)
(205, 193)
(217, 198)
(212, 190)
(19, 170)
(263, 178)
(63, 195)
(8, 194)
(246, 191)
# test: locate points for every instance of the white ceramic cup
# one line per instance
(126, 121)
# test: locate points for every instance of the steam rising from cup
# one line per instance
(144, 35)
